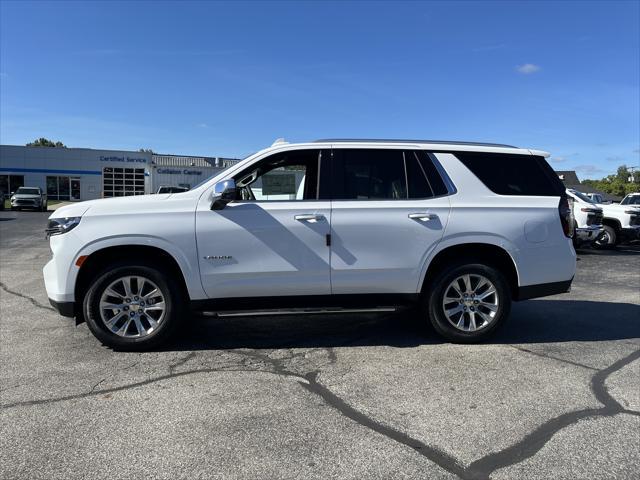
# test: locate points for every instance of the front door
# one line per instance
(271, 241)
(389, 212)
(75, 189)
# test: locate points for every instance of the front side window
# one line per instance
(283, 176)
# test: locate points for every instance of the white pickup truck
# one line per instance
(621, 222)
(588, 219)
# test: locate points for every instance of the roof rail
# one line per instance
(381, 140)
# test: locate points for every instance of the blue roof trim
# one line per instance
(46, 170)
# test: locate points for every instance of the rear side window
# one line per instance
(435, 180)
(507, 174)
(371, 175)
(384, 174)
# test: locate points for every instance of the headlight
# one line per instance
(56, 226)
(632, 212)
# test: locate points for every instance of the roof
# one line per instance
(568, 176)
(586, 189)
(437, 142)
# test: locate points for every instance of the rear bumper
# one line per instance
(542, 290)
(66, 309)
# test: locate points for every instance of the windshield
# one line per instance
(581, 196)
(216, 174)
(28, 191)
(631, 200)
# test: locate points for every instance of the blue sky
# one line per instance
(226, 79)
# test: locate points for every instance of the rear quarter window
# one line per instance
(508, 174)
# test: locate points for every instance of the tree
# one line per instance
(45, 142)
(618, 184)
(146, 150)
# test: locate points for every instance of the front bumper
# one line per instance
(630, 233)
(589, 234)
(25, 203)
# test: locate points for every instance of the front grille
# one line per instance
(594, 219)
(635, 220)
(25, 202)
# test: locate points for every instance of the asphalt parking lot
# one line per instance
(555, 395)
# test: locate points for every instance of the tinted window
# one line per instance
(435, 180)
(513, 174)
(419, 186)
(370, 175)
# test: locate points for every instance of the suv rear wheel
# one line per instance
(133, 307)
(467, 303)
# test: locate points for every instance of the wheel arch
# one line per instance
(99, 259)
(486, 253)
(613, 223)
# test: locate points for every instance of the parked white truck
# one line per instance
(621, 221)
(588, 219)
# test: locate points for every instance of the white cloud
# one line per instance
(557, 159)
(527, 68)
(588, 169)
(202, 125)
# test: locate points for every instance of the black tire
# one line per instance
(608, 239)
(174, 300)
(438, 288)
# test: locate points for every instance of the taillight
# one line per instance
(565, 211)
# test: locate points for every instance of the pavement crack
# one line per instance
(537, 439)
(551, 357)
(130, 386)
(433, 454)
(32, 300)
(181, 362)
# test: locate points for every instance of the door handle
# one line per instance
(309, 217)
(423, 217)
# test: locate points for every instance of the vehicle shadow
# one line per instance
(535, 321)
(621, 250)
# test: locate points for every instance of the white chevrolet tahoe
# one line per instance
(587, 219)
(457, 229)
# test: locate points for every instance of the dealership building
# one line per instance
(76, 174)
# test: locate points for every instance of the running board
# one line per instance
(297, 311)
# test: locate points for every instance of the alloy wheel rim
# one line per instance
(470, 302)
(132, 307)
(604, 238)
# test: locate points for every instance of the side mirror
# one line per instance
(223, 193)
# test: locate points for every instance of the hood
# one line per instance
(615, 207)
(111, 205)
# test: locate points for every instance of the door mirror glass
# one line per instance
(223, 193)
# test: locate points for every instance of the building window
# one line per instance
(10, 183)
(58, 188)
(120, 182)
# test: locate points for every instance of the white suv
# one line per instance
(456, 229)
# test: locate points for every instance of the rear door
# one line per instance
(389, 211)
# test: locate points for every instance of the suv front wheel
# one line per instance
(467, 303)
(133, 307)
